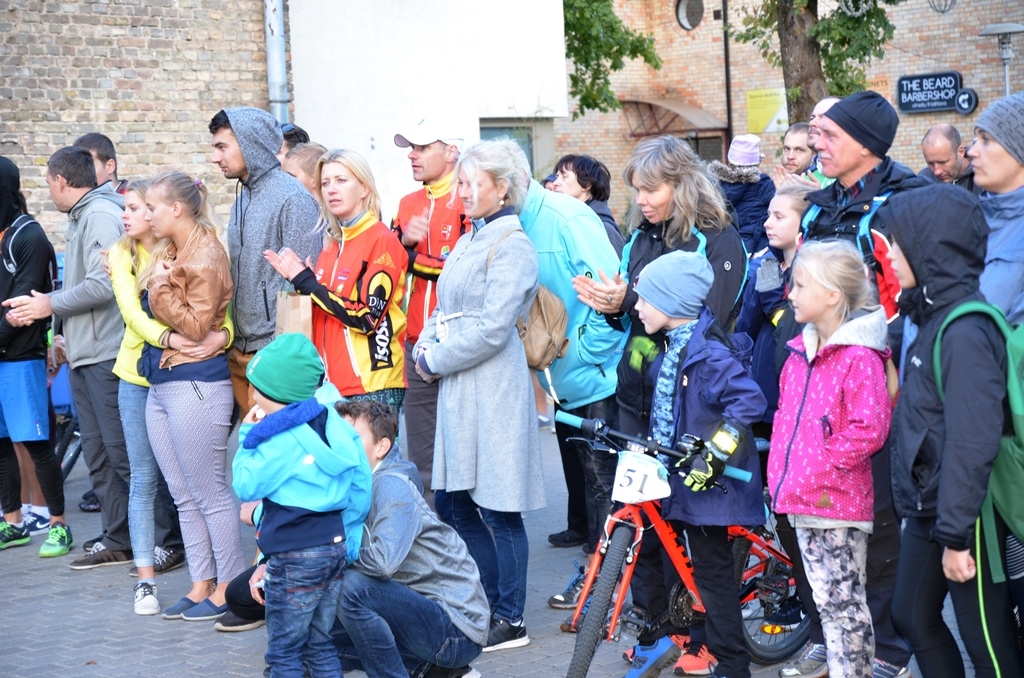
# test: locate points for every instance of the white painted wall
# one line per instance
(363, 71)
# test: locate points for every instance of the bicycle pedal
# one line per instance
(773, 589)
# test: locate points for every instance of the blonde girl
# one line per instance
(188, 412)
(834, 414)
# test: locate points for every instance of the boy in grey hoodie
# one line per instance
(92, 329)
(272, 210)
(413, 602)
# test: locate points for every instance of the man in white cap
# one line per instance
(429, 223)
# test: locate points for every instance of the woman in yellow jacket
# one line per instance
(152, 516)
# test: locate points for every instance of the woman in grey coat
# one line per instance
(487, 465)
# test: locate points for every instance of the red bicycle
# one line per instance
(763, 570)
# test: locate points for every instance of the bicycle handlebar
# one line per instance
(598, 427)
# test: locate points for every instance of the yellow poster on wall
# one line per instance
(766, 110)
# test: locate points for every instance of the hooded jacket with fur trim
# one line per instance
(749, 191)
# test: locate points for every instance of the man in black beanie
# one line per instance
(855, 136)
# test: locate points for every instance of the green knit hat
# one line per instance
(288, 369)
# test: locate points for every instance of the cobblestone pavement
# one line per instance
(60, 622)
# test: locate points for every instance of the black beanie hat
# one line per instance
(868, 118)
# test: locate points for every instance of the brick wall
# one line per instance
(147, 73)
(924, 42)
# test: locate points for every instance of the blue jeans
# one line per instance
(150, 506)
(301, 592)
(390, 631)
(502, 558)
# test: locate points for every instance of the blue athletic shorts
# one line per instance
(24, 403)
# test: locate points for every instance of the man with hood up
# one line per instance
(272, 210)
(93, 329)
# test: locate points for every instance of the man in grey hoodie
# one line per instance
(92, 330)
(271, 211)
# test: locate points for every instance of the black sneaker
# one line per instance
(566, 600)
(567, 538)
(230, 622)
(164, 560)
(101, 556)
(13, 536)
(506, 636)
(787, 616)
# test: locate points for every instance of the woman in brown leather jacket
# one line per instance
(188, 413)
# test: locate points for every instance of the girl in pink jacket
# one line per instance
(834, 413)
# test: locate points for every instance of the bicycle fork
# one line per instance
(634, 521)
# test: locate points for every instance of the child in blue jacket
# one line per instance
(308, 466)
(703, 387)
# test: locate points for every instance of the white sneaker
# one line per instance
(146, 602)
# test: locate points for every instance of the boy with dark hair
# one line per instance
(93, 329)
(101, 148)
(271, 211)
(305, 463)
(413, 603)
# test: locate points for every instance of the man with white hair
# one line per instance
(429, 222)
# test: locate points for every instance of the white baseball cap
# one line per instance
(425, 132)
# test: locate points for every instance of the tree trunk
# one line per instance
(801, 59)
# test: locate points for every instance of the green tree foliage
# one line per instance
(598, 43)
(846, 43)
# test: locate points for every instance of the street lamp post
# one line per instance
(1005, 34)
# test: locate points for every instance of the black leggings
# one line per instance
(47, 472)
(921, 589)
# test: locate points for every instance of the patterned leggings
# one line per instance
(836, 564)
(189, 423)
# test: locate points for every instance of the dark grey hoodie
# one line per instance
(273, 211)
(93, 326)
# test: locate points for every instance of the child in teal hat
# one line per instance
(307, 465)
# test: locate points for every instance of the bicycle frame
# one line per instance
(633, 516)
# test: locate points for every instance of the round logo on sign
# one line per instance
(966, 101)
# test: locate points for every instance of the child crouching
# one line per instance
(307, 465)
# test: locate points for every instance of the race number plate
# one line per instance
(639, 478)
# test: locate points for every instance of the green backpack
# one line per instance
(1006, 481)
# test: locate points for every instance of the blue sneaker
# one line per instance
(36, 524)
(649, 660)
(887, 670)
(787, 616)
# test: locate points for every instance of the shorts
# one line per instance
(24, 402)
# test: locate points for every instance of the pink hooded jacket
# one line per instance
(834, 414)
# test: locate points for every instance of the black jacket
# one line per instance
(601, 209)
(966, 179)
(27, 263)
(724, 251)
(749, 191)
(942, 453)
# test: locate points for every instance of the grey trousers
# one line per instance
(94, 388)
(189, 423)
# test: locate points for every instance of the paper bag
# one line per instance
(294, 314)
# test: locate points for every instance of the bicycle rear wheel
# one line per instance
(773, 622)
(69, 448)
(594, 626)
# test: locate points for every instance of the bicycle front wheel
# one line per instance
(594, 626)
(774, 624)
